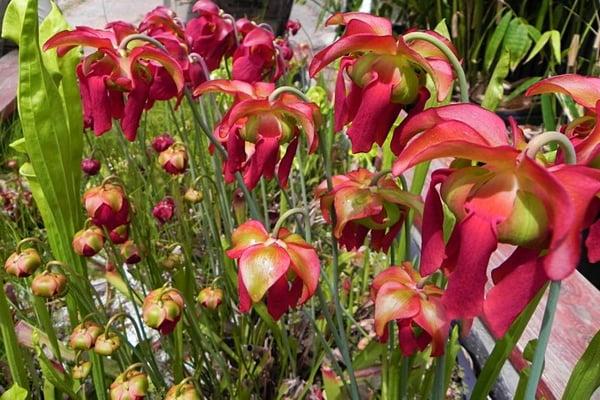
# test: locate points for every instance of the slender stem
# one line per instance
(462, 79)
(539, 141)
(439, 380)
(248, 196)
(537, 365)
(11, 345)
(203, 127)
(378, 176)
(140, 36)
(403, 377)
(341, 340)
(287, 89)
(286, 215)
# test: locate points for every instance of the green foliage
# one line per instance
(488, 375)
(585, 378)
(14, 393)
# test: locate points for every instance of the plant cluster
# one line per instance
(269, 234)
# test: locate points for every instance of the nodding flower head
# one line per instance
(284, 268)
(401, 295)
(162, 309)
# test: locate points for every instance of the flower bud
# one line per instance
(107, 343)
(119, 235)
(88, 242)
(164, 210)
(130, 252)
(130, 385)
(210, 297)
(183, 391)
(193, 196)
(107, 205)
(90, 166)
(24, 263)
(174, 160)
(162, 309)
(84, 335)
(49, 284)
(162, 142)
(172, 261)
(81, 370)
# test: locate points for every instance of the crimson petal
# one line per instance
(466, 284)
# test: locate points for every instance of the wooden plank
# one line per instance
(9, 71)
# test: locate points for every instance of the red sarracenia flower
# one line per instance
(256, 126)
(284, 268)
(584, 132)
(507, 197)
(145, 73)
(257, 58)
(379, 75)
(209, 34)
(401, 295)
(363, 203)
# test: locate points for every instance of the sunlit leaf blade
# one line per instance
(585, 378)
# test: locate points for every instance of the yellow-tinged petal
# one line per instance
(260, 267)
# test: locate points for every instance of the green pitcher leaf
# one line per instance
(516, 41)
(585, 378)
(53, 137)
(15, 392)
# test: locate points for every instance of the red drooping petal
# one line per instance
(353, 236)
(374, 118)
(589, 147)
(263, 161)
(582, 185)
(466, 283)
(476, 122)
(381, 240)
(346, 101)
(517, 281)
(164, 59)
(277, 299)
(585, 90)
(350, 44)
(245, 300)
(370, 23)
(305, 264)
(407, 340)
(441, 142)
(248, 234)
(394, 302)
(80, 36)
(432, 319)
(285, 165)
(100, 104)
(433, 249)
(242, 89)
(136, 103)
(592, 242)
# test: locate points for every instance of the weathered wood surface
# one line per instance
(9, 79)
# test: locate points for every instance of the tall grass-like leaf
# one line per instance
(585, 378)
(495, 91)
(502, 350)
(539, 45)
(497, 37)
(516, 41)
